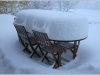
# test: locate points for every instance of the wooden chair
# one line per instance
(46, 46)
(26, 40)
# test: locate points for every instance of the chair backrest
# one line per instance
(42, 38)
(22, 33)
(21, 30)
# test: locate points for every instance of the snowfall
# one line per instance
(14, 61)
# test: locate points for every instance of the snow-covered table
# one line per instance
(60, 26)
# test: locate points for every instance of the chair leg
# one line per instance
(40, 50)
(32, 55)
(45, 56)
(26, 48)
(20, 40)
(55, 65)
(34, 51)
(47, 59)
(24, 44)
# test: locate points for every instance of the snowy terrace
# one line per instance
(14, 61)
(58, 25)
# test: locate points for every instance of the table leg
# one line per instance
(76, 45)
(59, 54)
(74, 54)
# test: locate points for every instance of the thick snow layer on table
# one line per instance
(58, 25)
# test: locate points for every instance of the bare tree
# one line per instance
(66, 5)
(24, 5)
(11, 5)
(3, 6)
(42, 5)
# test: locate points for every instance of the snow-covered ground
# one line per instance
(14, 60)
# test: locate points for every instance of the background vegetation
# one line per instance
(14, 6)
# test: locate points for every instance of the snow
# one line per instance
(14, 61)
(87, 4)
(63, 25)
